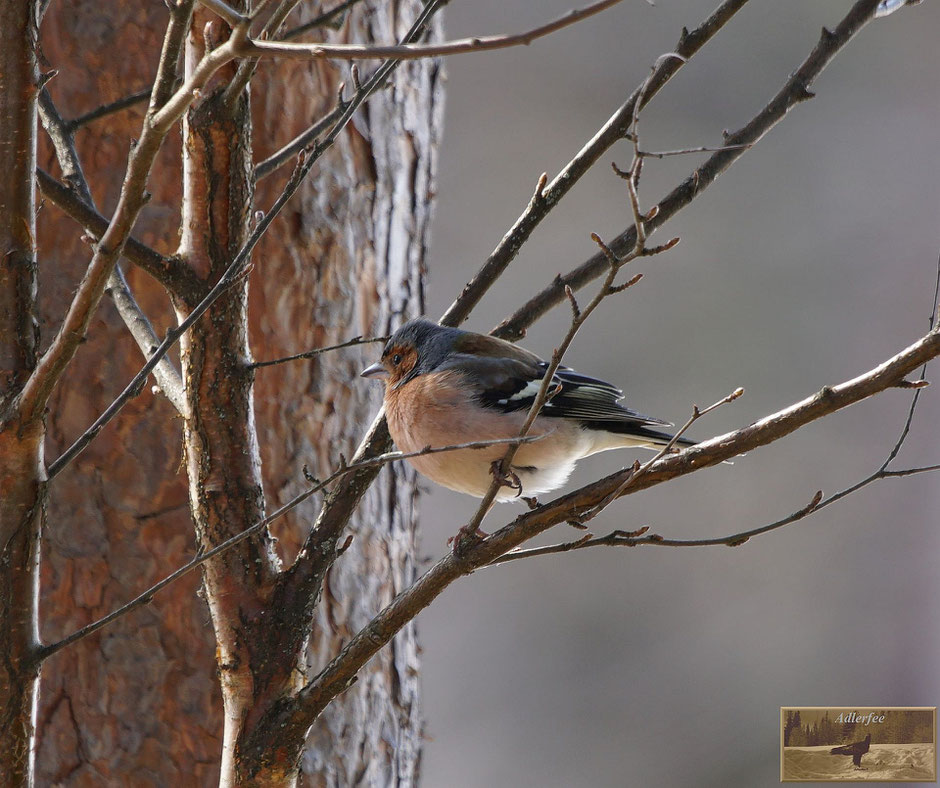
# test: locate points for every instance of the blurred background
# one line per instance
(812, 260)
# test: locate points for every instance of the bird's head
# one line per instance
(416, 348)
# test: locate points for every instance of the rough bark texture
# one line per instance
(355, 251)
(22, 475)
(140, 703)
(219, 440)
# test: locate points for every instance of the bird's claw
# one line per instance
(508, 479)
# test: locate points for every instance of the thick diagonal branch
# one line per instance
(341, 672)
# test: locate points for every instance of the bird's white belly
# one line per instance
(541, 466)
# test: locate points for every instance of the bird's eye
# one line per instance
(396, 359)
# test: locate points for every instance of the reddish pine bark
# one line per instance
(140, 701)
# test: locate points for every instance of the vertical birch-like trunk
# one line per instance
(22, 473)
(140, 702)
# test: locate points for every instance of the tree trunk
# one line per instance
(22, 474)
(139, 702)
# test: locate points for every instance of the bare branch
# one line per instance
(637, 472)
(169, 271)
(794, 91)
(331, 18)
(145, 597)
(301, 141)
(225, 11)
(58, 355)
(685, 151)
(167, 376)
(284, 49)
(342, 669)
(317, 351)
(165, 82)
(247, 68)
(237, 266)
(108, 109)
(547, 197)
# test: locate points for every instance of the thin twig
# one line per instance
(317, 351)
(301, 141)
(662, 154)
(246, 69)
(326, 19)
(639, 470)
(63, 142)
(108, 109)
(284, 49)
(317, 485)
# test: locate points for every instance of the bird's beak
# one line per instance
(374, 371)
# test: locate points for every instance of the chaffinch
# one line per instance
(446, 386)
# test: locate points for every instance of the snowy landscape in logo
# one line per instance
(882, 763)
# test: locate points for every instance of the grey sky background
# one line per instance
(811, 261)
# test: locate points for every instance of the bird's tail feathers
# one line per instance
(641, 434)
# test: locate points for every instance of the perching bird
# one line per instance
(446, 386)
(856, 750)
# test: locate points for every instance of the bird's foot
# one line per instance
(466, 538)
(508, 479)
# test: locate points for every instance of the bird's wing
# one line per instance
(512, 383)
